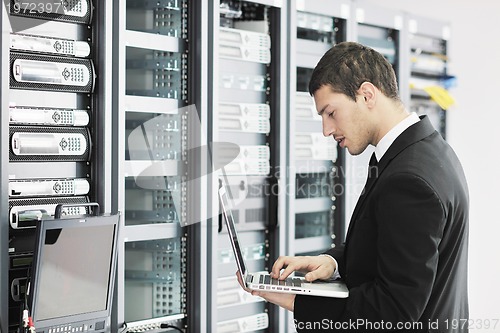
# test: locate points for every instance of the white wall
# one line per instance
(474, 133)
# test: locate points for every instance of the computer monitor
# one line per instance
(73, 274)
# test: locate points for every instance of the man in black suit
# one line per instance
(405, 255)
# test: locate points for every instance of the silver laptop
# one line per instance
(263, 281)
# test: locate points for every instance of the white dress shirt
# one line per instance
(393, 134)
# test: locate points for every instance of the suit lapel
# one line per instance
(412, 134)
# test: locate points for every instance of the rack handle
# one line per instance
(60, 207)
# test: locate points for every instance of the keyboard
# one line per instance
(266, 279)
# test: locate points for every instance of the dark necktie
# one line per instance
(372, 171)
(373, 160)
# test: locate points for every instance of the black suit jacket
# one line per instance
(405, 255)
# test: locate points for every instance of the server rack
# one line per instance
(427, 69)
(4, 174)
(315, 195)
(157, 149)
(52, 104)
(315, 160)
(247, 111)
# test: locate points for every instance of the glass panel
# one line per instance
(316, 27)
(153, 73)
(160, 17)
(154, 151)
(146, 206)
(250, 252)
(313, 185)
(152, 136)
(381, 39)
(154, 285)
(312, 224)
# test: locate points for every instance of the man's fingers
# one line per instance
(288, 265)
(319, 267)
(322, 272)
(279, 264)
(287, 271)
(311, 276)
(240, 280)
(284, 300)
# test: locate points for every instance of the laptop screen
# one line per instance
(228, 216)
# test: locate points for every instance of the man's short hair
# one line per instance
(348, 64)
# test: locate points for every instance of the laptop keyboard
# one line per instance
(288, 282)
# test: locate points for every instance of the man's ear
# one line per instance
(368, 92)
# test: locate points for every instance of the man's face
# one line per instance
(347, 121)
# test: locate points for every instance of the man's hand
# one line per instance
(317, 267)
(286, 301)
